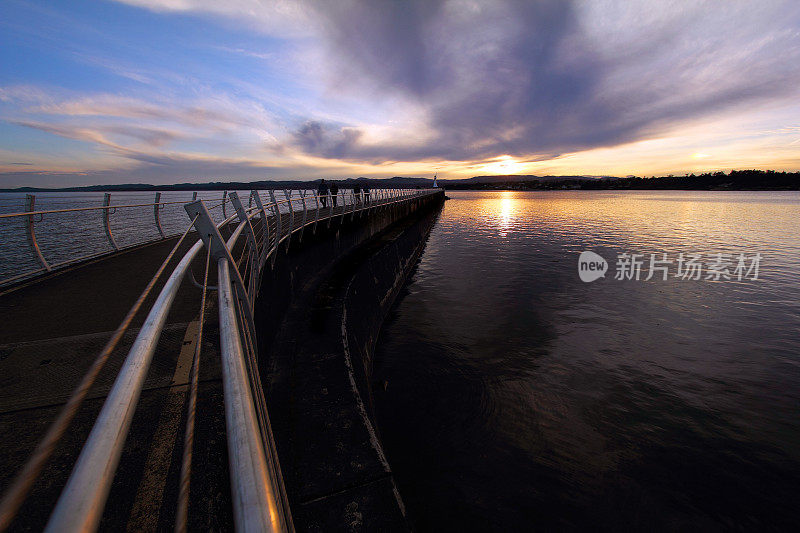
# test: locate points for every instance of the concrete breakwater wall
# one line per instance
(316, 338)
(372, 291)
(312, 257)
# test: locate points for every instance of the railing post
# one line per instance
(255, 481)
(330, 207)
(224, 199)
(288, 195)
(305, 212)
(264, 229)
(316, 218)
(211, 236)
(194, 196)
(106, 213)
(255, 506)
(156, 209)
(30, 203)
(344, 208)
(277, 214)
(251, 239)
(280, 222)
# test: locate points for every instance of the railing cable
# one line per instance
(188, 438)
(23, 482)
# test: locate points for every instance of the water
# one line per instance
(518, 397)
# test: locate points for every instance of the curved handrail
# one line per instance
(81, 503)
(289, 204)
(259, 502)
(36, 216)
(259, 497)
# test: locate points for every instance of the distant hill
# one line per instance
(395, 182)
(734, 180)
(517, 178)
(751, 180)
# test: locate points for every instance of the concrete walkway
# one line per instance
(52, 330)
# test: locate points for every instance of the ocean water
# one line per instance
(510, 395)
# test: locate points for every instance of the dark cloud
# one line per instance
(521, 77)
(326, 140)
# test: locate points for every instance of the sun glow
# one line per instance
(505, 164)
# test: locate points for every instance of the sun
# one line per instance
(504, 164)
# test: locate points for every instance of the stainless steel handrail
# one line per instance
(260, 481)
(255, 500)
(258, 495)
(81, 504)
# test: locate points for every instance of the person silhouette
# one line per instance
(334, 193)
(322, 192)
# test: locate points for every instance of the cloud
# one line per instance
(534, 77)
(458, 83)
(125, 123)
(327, 141)
(102, 134)
(529, 78)
(277, 17)
(180, 168)
(213, 114)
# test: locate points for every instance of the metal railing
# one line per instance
(258, 495)
(31, 217)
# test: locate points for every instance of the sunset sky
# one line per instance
(165, 91)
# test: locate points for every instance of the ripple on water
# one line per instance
(520, 396)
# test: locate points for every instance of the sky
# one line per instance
(171, 91)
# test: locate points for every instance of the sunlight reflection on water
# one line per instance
(520, 395)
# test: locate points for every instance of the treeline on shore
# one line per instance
(742, 180)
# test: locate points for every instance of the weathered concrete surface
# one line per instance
(316, 369)
(51, 330)
(91, 297)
